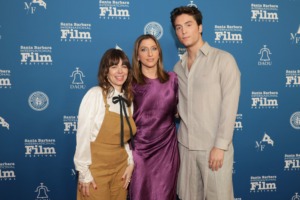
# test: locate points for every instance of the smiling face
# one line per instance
(117, 75)
(148, 53)
(187, 30)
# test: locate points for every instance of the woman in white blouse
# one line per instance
(105, 125)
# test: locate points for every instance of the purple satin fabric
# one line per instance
(156, 154)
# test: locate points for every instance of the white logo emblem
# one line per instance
(4, 123)
(155, 29)
(296, 197)
(32, 6)
(114, 9)
(77, 82)
(264, 56)
(7, 171)
(5, 79)
(265, 140)
(42, 192)
(40, 148)
(292, 162)
(295, 37)
(75, 32)
(292, 78)
(36, 55)
(228, 34)
(70, 123)
(264, 13)
(263, 183)
(181, 51)
(77, 76)
(264, 99)
(38, 101)
(238, 122)
(5, 82)
(192, 4)
(295, 120)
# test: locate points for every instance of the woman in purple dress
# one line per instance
(155, 155)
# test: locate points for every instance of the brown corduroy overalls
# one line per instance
(109, 159)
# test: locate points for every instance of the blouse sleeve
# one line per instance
(129, 153)
(91, 105)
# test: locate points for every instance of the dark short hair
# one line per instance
(189, 10)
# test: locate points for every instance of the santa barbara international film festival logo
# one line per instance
(77, 80)
(70, 124)
(75, 32)
(295, 37)
(7, 171)
(292, 78)
(295, 120)
(3, 123)
(36, 55)
(263, 183)
(40, 148)
(264, 54)
(228, 34)
(264, 99)
(291, 162)
(264, 13)
(32, 6)
(114, 9)
(155, 29)
(265, 141)
(180, 52)
(38, 101)
(5, 78)
(42, 192)
(238, 126)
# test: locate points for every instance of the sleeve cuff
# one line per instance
(129, 153)
(85, 177)
(222, 144)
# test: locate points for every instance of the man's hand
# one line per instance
(216, 158)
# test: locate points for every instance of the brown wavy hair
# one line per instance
(112, 57)
(138, 76)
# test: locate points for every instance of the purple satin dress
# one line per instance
(156, 154)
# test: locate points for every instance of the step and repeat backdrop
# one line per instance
(50, 51)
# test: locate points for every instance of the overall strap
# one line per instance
(105, 102)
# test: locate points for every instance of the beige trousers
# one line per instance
(196, 181)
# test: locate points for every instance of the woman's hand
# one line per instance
(84, 188)
(127, 175)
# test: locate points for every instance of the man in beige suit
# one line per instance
(209, 89)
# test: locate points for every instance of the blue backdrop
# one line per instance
(50, 51)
